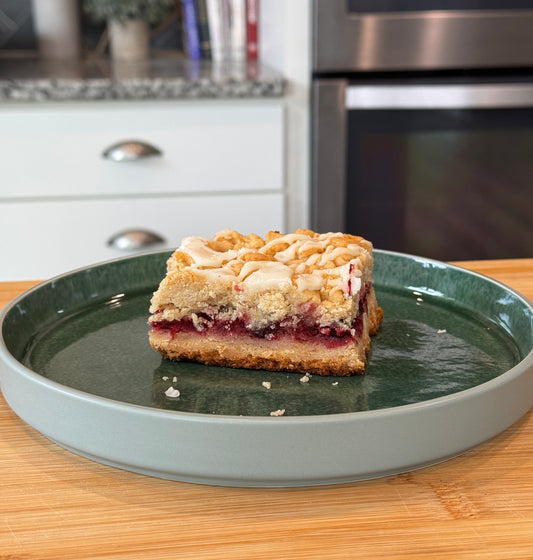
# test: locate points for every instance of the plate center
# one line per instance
(426, 348)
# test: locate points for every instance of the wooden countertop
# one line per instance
(56, 505)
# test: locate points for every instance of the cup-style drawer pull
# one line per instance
(131, 150)
(134, 240)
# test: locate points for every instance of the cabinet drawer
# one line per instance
(208, 146)
(43, 239)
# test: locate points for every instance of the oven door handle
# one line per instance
(447, 96)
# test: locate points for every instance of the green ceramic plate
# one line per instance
(451, 366)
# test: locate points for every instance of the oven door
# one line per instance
(444, 171)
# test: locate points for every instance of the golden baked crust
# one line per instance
(284, 283)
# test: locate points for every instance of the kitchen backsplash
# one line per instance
(17, 31)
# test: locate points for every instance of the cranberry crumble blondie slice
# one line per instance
(301, 302)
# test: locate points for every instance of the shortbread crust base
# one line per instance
(283, 354)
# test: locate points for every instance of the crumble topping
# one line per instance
(276, 279)
(307, 260)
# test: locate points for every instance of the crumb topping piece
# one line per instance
(172, 393)
(279, 412)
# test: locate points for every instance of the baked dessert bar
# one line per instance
(301, 302)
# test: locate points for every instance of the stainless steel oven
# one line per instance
(423, 125)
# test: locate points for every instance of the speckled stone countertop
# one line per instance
(34, 80)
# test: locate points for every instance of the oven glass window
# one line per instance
(446, 184)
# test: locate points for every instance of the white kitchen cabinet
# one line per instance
(208, 146)
(221, 165)
(55, 237)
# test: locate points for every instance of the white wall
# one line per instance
(285, 44)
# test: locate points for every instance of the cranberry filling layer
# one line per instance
(296, 328)
(328, 335)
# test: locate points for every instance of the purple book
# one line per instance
(191, 29)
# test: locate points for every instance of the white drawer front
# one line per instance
(211, 146)
(39, 240)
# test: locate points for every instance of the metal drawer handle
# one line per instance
(134, 240)
(131, 150)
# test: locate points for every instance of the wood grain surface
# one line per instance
(56, 505)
